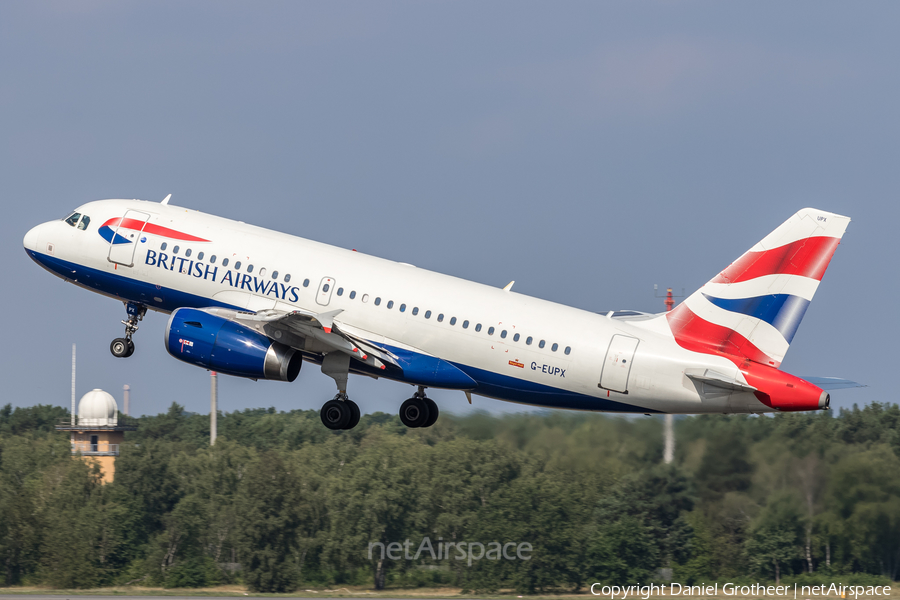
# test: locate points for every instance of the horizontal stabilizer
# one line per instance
(716, 379)
(833, 383)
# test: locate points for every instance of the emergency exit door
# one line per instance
(617, 366)
(326, 288)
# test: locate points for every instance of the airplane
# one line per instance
(255, 303)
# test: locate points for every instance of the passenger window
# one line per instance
(262, 272)
(73, 218)
(568, 350)
(187, 252)
(503, 334)
(554, 347)
(326, 287)
(85, 221)
(352, 295)
(453, 320)
(478, 327)
(365, 298)
(465, 324)
(390, 304)
(402, 308)
(274, 274)
(377, 301)
(176, 248)
(287, 279)
(441, 318)
(516, 338)
(490, 331)
(200, 256)
(163, 246)
(541, 344)
(224, 262)
(427, 314)
(415, 311)
(237, 266)
(249, 268)
(528, 340)
(212, 259)
(340, 291)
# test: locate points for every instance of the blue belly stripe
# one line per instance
(424, 369)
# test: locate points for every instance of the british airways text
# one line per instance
(240, 281)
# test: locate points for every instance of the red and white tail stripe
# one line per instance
(751, 310)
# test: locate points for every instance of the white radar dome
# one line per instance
(98, 409)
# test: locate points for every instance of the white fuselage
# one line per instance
(482, 330)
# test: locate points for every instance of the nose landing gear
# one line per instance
(124, 347)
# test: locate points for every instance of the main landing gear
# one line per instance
(419, 411)
(124, 347)
(340, 412)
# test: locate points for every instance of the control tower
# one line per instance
(96, 433)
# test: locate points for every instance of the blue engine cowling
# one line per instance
(218, 344)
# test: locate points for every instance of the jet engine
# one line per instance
(214, 343)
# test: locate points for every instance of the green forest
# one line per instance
(281, 503)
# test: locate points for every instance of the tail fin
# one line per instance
(752, 309)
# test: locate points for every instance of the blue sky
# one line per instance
(587, 150)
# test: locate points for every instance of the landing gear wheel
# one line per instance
(414, 412)
(124, 347)
(336, 414)
(121, 348)
(433, 412)
(354, 409)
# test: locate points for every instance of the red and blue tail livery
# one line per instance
(255, 303)
(753, 308)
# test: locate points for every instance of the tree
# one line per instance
(267, 526)
(774, 535)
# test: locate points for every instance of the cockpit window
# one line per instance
(85, 221)
(73, 219)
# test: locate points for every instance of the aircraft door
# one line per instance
(617, 366)
(125, 237)
(326, 288)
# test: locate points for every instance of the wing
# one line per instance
(316, 333)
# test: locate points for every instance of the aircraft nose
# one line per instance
(31, 239)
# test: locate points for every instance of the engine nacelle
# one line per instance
(218, 344)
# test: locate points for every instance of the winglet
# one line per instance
(166, 199)
(508, 286)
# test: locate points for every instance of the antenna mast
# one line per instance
(213, 406)
(669, 423)
(73, 385)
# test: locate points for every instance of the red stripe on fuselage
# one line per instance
(808, 257)
(152, 229)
